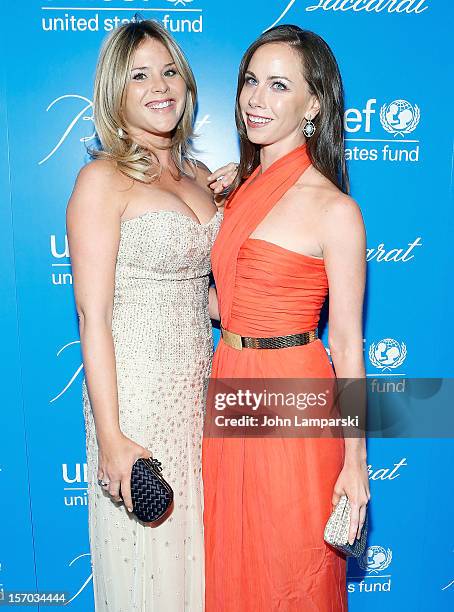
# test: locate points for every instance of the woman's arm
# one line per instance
(93, 228)
(344, 249)
(213, 306)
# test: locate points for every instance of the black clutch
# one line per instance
(151, 494)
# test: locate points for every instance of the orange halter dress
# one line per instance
(267, 500)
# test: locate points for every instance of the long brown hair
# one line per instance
(320, 69)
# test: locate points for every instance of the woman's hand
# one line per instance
(222, 177)
(115, 461)
(353, 481)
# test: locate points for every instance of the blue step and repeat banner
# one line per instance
(395, 60)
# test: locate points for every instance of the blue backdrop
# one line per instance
(395, 58)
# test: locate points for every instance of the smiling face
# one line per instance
(275, 98)
(155, 94)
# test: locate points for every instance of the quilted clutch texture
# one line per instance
(151, 494)
(337, 527)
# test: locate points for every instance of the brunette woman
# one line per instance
(291, 234)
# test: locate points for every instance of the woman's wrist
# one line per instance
(355, 451)
(109, 437)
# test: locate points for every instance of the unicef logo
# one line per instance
(387, 353)
(399, 117)
(375, 559)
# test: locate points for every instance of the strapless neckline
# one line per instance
(273, 245)
(177, 213)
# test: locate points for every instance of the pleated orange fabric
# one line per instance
(267, 500)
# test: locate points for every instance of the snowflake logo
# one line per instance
(178, 2)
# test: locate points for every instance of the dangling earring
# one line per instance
(309, 128)
(120, 133)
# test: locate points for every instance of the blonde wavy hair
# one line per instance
(112, 74)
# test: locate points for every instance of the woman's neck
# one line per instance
(158, 145)
(272, 152)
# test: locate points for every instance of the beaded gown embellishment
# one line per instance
(163, 347)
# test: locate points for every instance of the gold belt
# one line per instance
(276, 342)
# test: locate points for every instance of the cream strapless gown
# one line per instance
(163, 346)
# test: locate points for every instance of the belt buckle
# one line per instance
(232, 339)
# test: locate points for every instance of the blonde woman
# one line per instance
(141, 222)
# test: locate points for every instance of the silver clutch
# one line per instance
(337, 528)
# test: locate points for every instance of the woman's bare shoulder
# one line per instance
(99, 186)
(199, 172)
(202, 172)
(102, 173)
(201, 167)
(339, 207)
(324, 194)
(340, 214)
